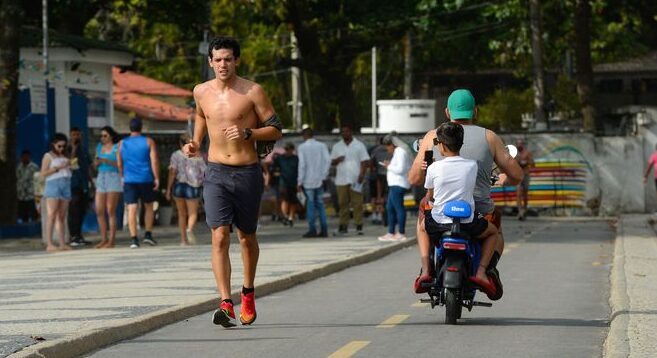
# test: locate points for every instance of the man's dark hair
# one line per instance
(75, 129)
(228, 43)
(25, 152)
(307, 132)
(135, 125)
(450, 134)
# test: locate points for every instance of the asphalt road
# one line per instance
(555, 305)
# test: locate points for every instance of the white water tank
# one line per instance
(406, 115)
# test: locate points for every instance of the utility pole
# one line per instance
(374, 125)
(296, 84)
(537, 58)
(44, 15)
(408, 65)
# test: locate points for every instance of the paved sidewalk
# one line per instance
(634, 289)
(83, 299)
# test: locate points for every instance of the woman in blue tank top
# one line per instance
(108, 185)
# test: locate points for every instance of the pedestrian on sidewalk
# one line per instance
(108, 186)
(187, 173)
(526, 161)
(652, 162)
(272, 175)
(288, 167)
(25, 188)
(237, 116)
(378, 181)
(80, 165)
(314, 165)
(351, 160)
(139, 167)
(397, 178)
(55, 168)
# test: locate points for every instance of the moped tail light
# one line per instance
(453, 246)
(453, 269)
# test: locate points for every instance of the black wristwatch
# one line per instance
(247, 133)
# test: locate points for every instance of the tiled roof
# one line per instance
(646, 63)
(32, 37)
(149, 108)
(129, 81)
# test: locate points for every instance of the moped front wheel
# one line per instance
(453, 305)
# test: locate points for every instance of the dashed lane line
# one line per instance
(393, 321)
(349, 349)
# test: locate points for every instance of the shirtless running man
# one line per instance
(235, 113)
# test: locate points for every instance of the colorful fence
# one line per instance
(553, 183)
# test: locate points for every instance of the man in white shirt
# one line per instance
(314, 164)
(350, 158)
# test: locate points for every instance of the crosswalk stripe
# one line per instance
(349, 349)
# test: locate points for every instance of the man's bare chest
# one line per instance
(227, 109)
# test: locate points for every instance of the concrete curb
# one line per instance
(88, 341)
(617, 343)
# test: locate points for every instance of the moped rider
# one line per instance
(483, 146)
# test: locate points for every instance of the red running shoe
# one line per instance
(225, 315)
(248, 312)
(486, 286)
(417, 285)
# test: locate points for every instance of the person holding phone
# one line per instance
(396, 176)
(108, 185)
(55, 168)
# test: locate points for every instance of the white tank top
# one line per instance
(55, 162)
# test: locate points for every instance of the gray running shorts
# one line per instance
(232, 195)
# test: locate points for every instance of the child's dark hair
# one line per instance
(227, 43)
(450, 134)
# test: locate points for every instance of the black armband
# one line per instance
(273, 121)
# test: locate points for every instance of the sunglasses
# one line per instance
(104, 135)
(436, 141)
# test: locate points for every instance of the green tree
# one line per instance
(11, 14)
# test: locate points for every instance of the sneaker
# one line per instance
(342, 230)
(148, 239)
(225, 315)
(359, 230)
(135, 243)
(400, 237)
(191, 238)
(494, 277)
(387, 237)
(309, 234)
(323, 234)
(75, 242)
(419, 280)
(83, 241)
(247, 311)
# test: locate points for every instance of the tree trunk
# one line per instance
(10, 22)
(408, 65)
(537, 57)
(583, 63)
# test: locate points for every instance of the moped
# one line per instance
(456, 257)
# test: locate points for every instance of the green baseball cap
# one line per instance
(461, 105)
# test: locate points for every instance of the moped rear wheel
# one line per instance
(453, 305)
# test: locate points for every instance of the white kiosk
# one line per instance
(404, 116)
